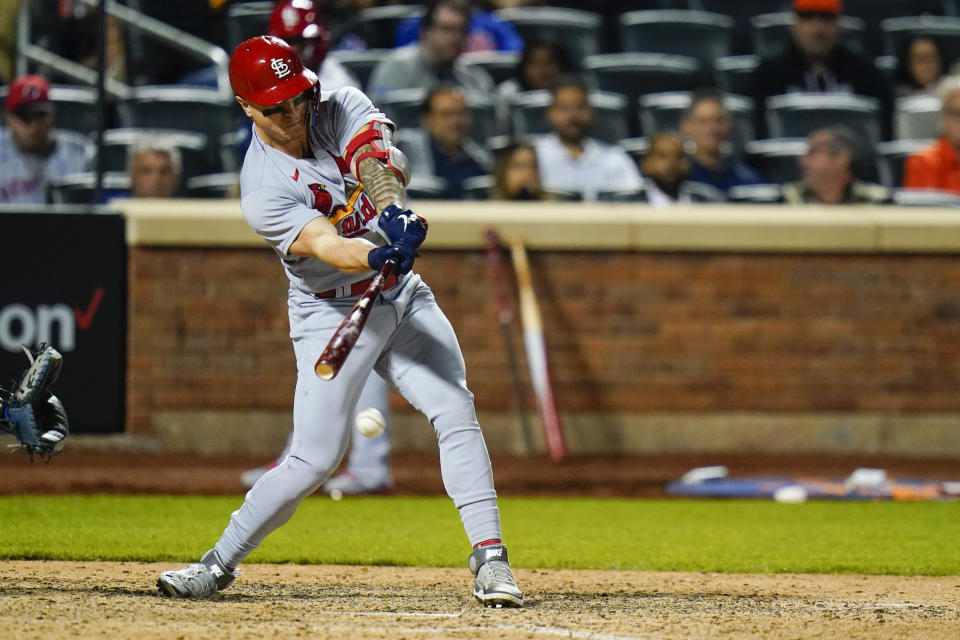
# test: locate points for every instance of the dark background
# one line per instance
(53, 259)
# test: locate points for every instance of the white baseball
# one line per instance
(370, 422)
(791, 494)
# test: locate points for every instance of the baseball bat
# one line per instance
(505, 318)
(536, 348)
(345, 337)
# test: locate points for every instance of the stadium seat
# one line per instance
(214, 185)
(874, 12)
(478, 188)
(81, 139)
(246, 20)
(378, 25)
(78, 108)
(741, 11)
(403, 106)
(887, 65)
(361, 63)
(561, 195)
(702, 35)
(896, 31)
(771, 31)
(733, 73)
(891, 157)
(78, 188)
(483, 112)
(777, 159)
(755, 193)
(529, 114)
(578, 31)
(795, 115)
(177, 107)
(636, 74)
(423, 187)
(663, 111)
(916, 117)
(636, 147)
(619, 195)
(925, 198)
(194, 149)
(501, 65)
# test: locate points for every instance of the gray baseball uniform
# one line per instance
(407, 339)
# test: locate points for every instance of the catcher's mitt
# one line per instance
(30, 412)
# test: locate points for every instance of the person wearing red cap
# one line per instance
(300, 24)
(815, 60)
(31, 151)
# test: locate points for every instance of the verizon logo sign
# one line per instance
(56, 324)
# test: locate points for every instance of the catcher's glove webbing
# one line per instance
(30, 411)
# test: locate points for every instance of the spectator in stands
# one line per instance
(920, 65)
(486, 32)
(830, 167)
(938, 166)
(443, 147)
(435, 59)
(154, 169)
(570, 160)
(707, 124)
(815, 60)
(665, 169)
(299, 23)
(515, 175)
(541, 64)
(31, 151)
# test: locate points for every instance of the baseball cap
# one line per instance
(29, 94)
(818, 6)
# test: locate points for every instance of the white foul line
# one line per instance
(526, 628)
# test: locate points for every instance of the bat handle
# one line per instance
(340, 345)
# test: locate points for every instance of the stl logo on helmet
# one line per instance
(280, 67)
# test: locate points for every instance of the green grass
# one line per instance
(722, 536)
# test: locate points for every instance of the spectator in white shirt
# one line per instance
(570, 160)
(31, 151)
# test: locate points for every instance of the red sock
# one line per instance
(487, 543)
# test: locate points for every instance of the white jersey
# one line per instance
(280, 194)
(600, 167)
(24, 176)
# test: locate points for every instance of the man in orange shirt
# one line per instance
(938, 166)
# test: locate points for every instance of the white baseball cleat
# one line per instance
(198, 580)
(494, 586)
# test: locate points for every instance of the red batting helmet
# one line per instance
(300, 20)
(266, 71)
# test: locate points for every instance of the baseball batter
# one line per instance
(324, 185)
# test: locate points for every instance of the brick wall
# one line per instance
(629, 332)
